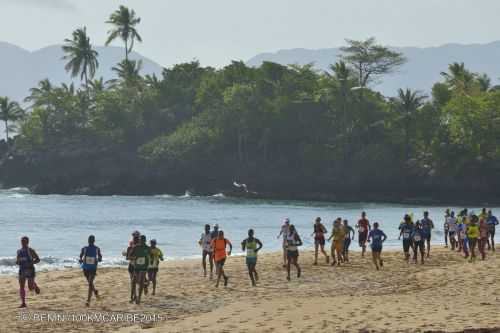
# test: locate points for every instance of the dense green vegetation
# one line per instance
(286, 131)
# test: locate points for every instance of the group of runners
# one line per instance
(464, 232)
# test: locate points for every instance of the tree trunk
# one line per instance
(6, 131)
(126, 50)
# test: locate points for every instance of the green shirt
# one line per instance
(141, 255)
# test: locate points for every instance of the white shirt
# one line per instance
(206, 239)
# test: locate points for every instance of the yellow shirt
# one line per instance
(339, 233)
(154, 257)
(473, 231)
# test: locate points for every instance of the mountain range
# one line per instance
(21, 69)
(421, 71)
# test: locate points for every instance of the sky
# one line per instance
(218, 31)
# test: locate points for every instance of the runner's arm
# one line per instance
(259, 243)
(81, 256)
(230, 247)
(384, 236)
(243, 245)
(299, 241)
(99, 255)
(36, 258)
(17, 258)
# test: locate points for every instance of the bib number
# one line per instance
(417, 238)
(90, 260)
(140, 261)
(406, 235)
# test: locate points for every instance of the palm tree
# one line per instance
(124, 21)
(10, 111)
(82, 57)
(459, 78)
(40, 95)
(484, 82)
(408, 102)
(128, 72)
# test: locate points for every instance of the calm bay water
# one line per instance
(58, 226)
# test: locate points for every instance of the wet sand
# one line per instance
(446, 294)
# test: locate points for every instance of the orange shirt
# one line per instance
(219, 248)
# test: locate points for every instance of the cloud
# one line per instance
(53, 4)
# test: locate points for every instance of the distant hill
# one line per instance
(21, 70)
(420, 72)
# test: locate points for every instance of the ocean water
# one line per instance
(59, 225)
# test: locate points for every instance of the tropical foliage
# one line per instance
(287, 131)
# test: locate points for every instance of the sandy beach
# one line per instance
(446, 294)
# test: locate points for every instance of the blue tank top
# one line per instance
(89, 257)
(25, 259)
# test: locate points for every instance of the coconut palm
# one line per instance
(82, 57)
(484, 82)
(408, 102)
(124, 23)
(40, 95)
(10, 111)
(128, 72)
(459, 78)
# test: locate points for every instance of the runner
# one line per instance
(418, 238)
(446, 227)
(472, 236)
(462, 237)
(452, 230)
(319, 240)
(293, 242)
(26, 259)
(492, 222)
(427, 226)
(219, 245)
(204, 242)
(363, 227)
(347, 240)
(285, 228)
(406, 230)
(140, 255)
(155, 256)
(252, 246)
(483, 237)
(90, 256)
(136, 237)
(215, 232)
(338, 236)
(377, 238)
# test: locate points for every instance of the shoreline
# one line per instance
(320, 197)
(345, 298)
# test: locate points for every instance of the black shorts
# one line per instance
(406, 245)
(292, 254)
(153, 270)
(220, 263)
(376, 248)
(130, 268)
(319, 240)
(362, 237)
(420, 245)
(206, 253)
(27, 273)
(427, 236)
(491, 232)
(90, 273)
